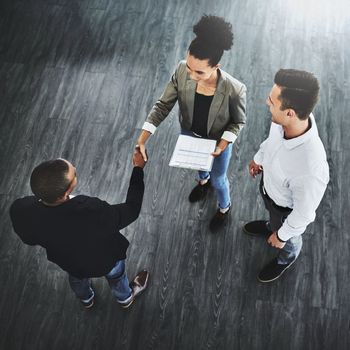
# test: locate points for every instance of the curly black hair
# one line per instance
(213, 36)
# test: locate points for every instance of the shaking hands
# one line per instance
(138, 158)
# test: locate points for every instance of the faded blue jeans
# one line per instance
(117, 279)
(217, 175)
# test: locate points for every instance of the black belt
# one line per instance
(269, 198)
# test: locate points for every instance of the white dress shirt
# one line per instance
(295, 175)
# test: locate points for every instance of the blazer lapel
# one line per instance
(216, 103)
(190, 91)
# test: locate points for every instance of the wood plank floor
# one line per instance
(77, 79)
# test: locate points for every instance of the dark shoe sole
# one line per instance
(277, 277)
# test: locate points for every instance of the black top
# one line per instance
(82, 234)
(200, 114)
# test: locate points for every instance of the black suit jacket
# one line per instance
(81, 235)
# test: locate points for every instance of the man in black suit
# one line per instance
(81, 233)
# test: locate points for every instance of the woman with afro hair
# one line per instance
(211, 105)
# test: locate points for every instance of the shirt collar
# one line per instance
(297, 141)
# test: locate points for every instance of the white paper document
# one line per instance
(193, 153)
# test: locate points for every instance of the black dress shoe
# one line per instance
(138, 285)
(218, 220)
(272, 271)
(257, 228)
(199, 192)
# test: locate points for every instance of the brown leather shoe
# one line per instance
(138, 285)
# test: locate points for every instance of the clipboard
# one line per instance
(193, 153)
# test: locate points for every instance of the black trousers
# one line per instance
(292, 248)
(277, 214)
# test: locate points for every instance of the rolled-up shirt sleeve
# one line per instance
(149, 127)
(229, 136)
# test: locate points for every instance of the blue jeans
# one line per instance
(217, 175)
(293, 246)
(290, 251)
(117, 279)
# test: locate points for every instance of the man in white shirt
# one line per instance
(294, 169)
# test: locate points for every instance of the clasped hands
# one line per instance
(139, 159)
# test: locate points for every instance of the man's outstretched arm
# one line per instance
(129, 211)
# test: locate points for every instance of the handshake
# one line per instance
(140, 157)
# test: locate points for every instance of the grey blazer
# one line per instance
(226, 114)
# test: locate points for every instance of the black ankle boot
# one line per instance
(199, 192)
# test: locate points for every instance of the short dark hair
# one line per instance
(299, 91)
(49, 180)
(213, 36)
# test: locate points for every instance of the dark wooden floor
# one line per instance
(77, 78)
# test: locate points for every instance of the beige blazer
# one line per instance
(226, 114)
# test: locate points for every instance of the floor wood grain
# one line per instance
(77, 79)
